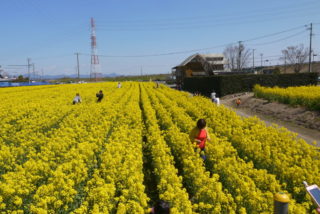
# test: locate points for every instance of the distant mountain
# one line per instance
(111, 75)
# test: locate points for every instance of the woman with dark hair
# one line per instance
(99, 96)
(199, 135)
(161, 207)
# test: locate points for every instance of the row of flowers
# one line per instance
(308, 96)
(270, 148)
(56, 157)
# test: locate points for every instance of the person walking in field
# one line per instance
(198, 136)
(119, 84)
(76, 99)
(215, 99)
(100, 96)
(238, 102)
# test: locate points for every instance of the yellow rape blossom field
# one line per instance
(307, 96)
(132, 149)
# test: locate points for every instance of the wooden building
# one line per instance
(199, 65)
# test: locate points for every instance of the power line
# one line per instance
(256, 12)
(50, 57)
(165, 54)
(279, 40)
(200, 24)
(214, 47)
(274, 34)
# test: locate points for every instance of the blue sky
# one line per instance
(50, 32)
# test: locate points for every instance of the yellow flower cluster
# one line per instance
(169, 184)
(271, 150)
(204, 189)
(308, 96)
(123, 154)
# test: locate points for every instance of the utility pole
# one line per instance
(94, 55)
(261, 55)
(310, 47)
(253, 59)
(34, 74)
(78, 68)
(28, 60)
(285, 63)
(141, 71)
(239, 55)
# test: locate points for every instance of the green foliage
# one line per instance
(230, 84)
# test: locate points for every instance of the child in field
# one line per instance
(119, 84)
(161, 207)
(215, 99)
(76, 99)
(199, 135)
(238, 102)
(100, 96)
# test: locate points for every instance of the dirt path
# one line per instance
(276, 113)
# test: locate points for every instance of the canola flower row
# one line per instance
(169, 184)
(117, 183)
(48, 180)
(308, 96)
(269, 148)
(251, 188)
(204, 190)
(123, 154)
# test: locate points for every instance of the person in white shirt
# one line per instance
(119, 84)
(76, 99)
(216, 100)
(213, 95)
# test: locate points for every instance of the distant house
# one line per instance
(2, 74)
(199, 65)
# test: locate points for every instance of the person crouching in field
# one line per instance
(161, 207)
(238, 102)
(76, 99)
(198, 136)
(100, 96)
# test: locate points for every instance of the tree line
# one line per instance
(238, 57)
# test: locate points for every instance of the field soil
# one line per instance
(296, 119)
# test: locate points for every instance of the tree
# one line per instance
(295, 56)
(20, 78)
(230, 53)
(234, 60)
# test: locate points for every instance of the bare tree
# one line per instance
(295, 56)
(237, 57)
(230, 53)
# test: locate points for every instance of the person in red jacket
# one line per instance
(199, 136)
(238, 102)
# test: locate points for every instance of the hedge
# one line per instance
(230, 84)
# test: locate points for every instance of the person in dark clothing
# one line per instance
(100, 96)
(161, 207)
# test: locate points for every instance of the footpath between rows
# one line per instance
(309, 135)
